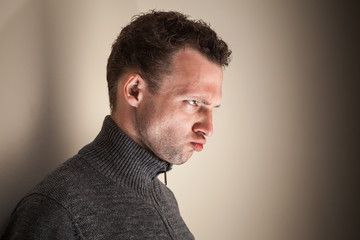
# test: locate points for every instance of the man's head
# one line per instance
(147, 46)
(164, 77)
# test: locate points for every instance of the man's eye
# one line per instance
(192, 102)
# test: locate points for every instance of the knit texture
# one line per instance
(109, 190)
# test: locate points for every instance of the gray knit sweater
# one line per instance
(109, 190)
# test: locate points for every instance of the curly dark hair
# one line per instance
(147, 45)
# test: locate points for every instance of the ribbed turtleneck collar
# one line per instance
(119, 158)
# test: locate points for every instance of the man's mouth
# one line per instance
(197, 146)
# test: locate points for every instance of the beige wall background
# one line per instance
(281, 164)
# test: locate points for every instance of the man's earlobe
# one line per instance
(133, 89)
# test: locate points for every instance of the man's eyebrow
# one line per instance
(205, 102)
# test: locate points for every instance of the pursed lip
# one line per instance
(198, 145)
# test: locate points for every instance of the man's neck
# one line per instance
(127, 126)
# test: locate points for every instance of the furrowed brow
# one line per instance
(206, 103)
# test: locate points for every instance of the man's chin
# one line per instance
(179, 162)
(181, 159)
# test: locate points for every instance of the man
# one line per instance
(164, 76)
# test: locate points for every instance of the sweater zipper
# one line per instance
(166, 169)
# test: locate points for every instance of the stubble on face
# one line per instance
(158, 135)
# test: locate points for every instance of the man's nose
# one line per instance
(205, 125)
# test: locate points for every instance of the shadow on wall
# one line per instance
(29, 147)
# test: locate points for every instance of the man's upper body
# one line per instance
(164, 77)
(108, 190)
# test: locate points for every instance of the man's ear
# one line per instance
(133, 89)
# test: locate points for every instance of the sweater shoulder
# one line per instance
(40, 217)
(64, 182)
